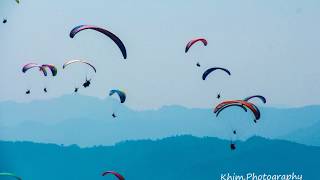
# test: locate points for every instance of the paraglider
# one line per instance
(53, 70)
(112, 36)
(87, 81)
(29, 66)
(4, 21)
(122, 97)
(119, 176)
(238, 103)
(193, 41)
(10, 175)
(210, 70)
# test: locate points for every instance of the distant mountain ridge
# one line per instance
(308, 136)
(87, 121)
(181, 157)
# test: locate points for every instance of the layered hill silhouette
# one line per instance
(308, 136)
(181, 157)
(87, 121)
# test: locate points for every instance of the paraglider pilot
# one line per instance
(113, 115)
(87, 83)
(28, 91)
(233, 146)
(76, 90)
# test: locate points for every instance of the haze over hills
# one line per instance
(309, 135)
(87, 121)
(182, 157)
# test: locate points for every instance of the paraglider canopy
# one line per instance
(112, 36)
(254, 109)
(121, 94)
(193, 41)
(119, 176)
(78, 61)
(229, 105)
(52, 68)
(28, 66)
(263, 99)
(210, 70)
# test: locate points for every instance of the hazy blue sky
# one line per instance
(271, 48)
